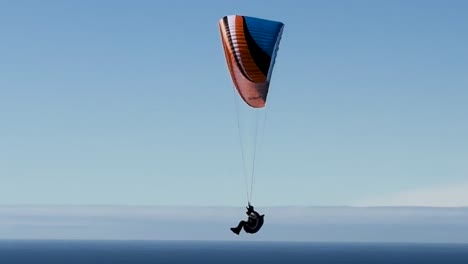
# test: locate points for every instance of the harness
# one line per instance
(254, 224)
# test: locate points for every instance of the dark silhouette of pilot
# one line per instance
(252, 225)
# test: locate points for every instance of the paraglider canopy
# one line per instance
(250, 47)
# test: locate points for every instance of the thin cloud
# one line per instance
(455, 195)
(364, 224)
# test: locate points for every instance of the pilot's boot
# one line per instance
(236, 230)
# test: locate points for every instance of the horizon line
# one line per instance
(222, 206)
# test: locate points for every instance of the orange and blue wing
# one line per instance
(250, 47)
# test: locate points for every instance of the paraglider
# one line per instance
(250, 48)
(252, 225)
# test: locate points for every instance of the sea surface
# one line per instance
(135, 252)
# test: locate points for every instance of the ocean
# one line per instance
(206, 252)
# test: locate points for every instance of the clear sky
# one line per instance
(130, 102)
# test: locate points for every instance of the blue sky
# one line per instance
(120, 102)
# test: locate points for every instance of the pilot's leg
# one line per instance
(237, 229)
